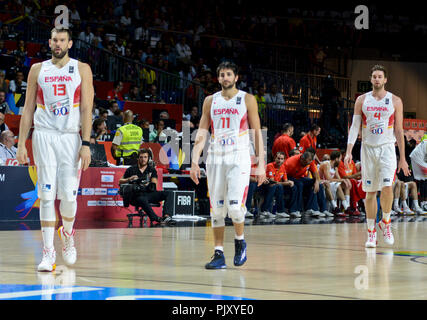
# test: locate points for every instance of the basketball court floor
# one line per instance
(307, 259)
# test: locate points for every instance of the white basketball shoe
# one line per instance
(48, 260)
(372, 239)
(69, 252)
(385, 227)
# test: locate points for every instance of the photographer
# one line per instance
(144, 176)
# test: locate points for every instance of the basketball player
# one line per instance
(380, 113)
(229, 113)
(59, 98)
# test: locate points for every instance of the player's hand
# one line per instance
(316, 186)
(347, 159)
(85, 157)
(22, 155)
(195, 172)
(403, 165)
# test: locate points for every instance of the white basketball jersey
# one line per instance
(378, 120)
(229, 124)
(58, 97)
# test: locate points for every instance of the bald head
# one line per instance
(7, 138)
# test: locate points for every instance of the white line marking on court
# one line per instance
(22, 294)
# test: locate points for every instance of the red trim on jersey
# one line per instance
(364, 119)
(77, 95)
(40, 97)
(245, 195)
(244, 123)
(212, 127)
(391, 120)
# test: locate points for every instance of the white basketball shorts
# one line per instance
(228, 184)
(378, 166)
(56, 156)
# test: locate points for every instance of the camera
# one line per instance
(133, 188)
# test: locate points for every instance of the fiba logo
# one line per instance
(184, 200)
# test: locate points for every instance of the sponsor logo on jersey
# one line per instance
(232, 202)
(225, 111)
(387, 100)
(71, 69)
(238, 100)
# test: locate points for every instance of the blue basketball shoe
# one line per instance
(240, 252)
(217, 262)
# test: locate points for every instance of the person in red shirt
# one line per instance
(297, 168)
(276, 180)
(356, 193)
(310, 140)
(285, 143)
(116, 92)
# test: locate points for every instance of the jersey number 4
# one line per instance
(225, 123)
(59, 89)
(377, 115)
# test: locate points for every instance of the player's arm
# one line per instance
(86, 105)
(28, 112)
(398, 132)
(255, 125)
(354, 129)
(201, 137)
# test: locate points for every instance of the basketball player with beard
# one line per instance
(380, 113)
(229, 113)
(59, 100)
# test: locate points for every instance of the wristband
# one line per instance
(85, 143)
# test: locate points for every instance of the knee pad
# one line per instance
(68, 209)
(237, 214)
(47, 210)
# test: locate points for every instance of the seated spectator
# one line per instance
(297, 168)
(103, 114)
(275, 98)
(44, 53)
(194, 118)
(21, 50)
(3, 125)
(157, 135)
(310, 140)
(7, 146)
(18, 85)
(115, 121)
(336, 188)
(133, 94)
(99, 130)
(4, 106)
(279, 183)
(260, 98)
(151, 95)
(116, 92)
(4, 83)
(183, 50)
(147, 75)
(285, 143)
(113, 107)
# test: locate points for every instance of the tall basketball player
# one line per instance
(229, 113)
(59, 99)
(380, 113)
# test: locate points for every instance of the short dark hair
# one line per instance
(227, 65)
(379, 67)
(314, 127)
(287, 126)
(96, 123)
(311, 150)
(279, 153)
(335, 154)
(307, 154)
(147, 151)
(68, 31)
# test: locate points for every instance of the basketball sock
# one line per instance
(405, 205)
(386, 216)
(334, 204)
(415, 203)
(220, 248)
(396, 202)
(347, 198)
(371, 224)
(345, 204)
(242, 237)
(47, 234)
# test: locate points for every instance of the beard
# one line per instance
(59, 55)
(227, 87)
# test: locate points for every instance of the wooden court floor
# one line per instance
(285, 262)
